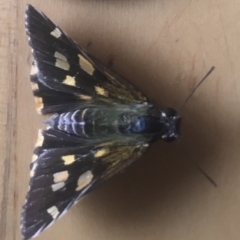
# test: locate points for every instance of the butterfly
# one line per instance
(100, 124)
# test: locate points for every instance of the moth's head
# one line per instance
(172, 121)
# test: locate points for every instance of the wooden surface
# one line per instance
(164, 47)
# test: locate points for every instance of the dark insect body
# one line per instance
(102, 124)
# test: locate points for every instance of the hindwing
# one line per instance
(65, 168)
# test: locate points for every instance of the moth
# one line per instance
(100, 124)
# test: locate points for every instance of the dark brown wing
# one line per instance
(64, 76)
(65, 168)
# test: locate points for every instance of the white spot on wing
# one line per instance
(62, 64)
(34, 157)
(84, 180)
(40, 139)
(68, 159)
(34, 70)
(39, 104)
(57, 186)
(69, 81)
(34, 86)
(56, 33)
(60, 56)
(85, 65)
(84, 97)
(60, 176)
(101, 91)
(82, 193)
(53, 211)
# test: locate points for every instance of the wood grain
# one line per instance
(8, 111)
(164, 47)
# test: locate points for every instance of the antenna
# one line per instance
(199, 168)
(206, 175)
(180, 111)
(195, 88)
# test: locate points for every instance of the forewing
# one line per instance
(64, 168)
(64, 76)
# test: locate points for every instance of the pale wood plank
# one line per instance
(8, 113)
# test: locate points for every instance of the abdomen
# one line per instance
(95, 122)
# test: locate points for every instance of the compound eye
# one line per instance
(168, 112)
(163, 114)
